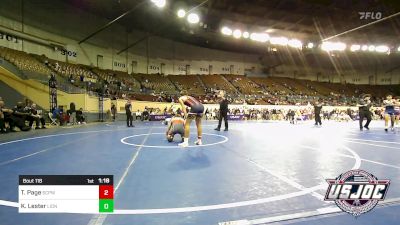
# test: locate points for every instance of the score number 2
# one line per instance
(106, 192)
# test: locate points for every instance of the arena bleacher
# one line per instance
(148, 86)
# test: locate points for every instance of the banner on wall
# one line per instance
(10, 41)
(70, 52)
(159, 117)
(236, 117)
(180, 69)
(154, 68)
(119, 65)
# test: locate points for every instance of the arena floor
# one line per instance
(257, 173)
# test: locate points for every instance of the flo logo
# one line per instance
(356, 191)
(370, 15)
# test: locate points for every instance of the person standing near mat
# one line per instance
(364, 111)
(223, 111)
(397, 111)
(195, 113)
(317, 113)
(389, 104)
(128, 110)
(113, 111)
(2, 117)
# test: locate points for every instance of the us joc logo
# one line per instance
(356, 191)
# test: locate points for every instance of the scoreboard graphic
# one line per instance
(66, 194)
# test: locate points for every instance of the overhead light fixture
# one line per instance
(279, 41)
(246, 34)
(355, 48)
(295, 43)
(371, 48)
(382, 49)
(237, 33)
(398, 49)
(159, 3)
(310, 45)
(260, 37)
(193, 18)
(181, 13)
(226, 31)
(333, 46)
(364, 47)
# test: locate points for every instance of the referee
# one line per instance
(317, 113)
(128, 110)
(364, 111)
(223, 111)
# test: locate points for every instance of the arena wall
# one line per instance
(380, 76)
(153, 55)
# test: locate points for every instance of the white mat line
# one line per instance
(363, 143)
(388, 142)
(303, 215)
(44, 150)
(99, 219)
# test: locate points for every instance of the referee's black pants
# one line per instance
(225, 116)
(129, 119)
(318, 119)
(364, 114)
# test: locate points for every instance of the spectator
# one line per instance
(52, 81)
(113, 111)
(72, 113)
(19, 116)
(80, 118)
(58, 114)
(138, 115)
(37, 117)
(2, 119)
(145, 114)
(5, 117)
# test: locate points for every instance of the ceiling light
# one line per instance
(295, 43)
(261, 37)
(333, 46)
(310, 45)
(193, 18)
(364, 47)
(246, 34)
(371, 48)
(382, 48)
(159, 3)
(181, 13)
(226, 31)
(355, 48)
(237, 33)
(279, 41)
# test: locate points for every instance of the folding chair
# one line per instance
(53, 121)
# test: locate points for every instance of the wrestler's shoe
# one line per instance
(198, 142)
(183, 144)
